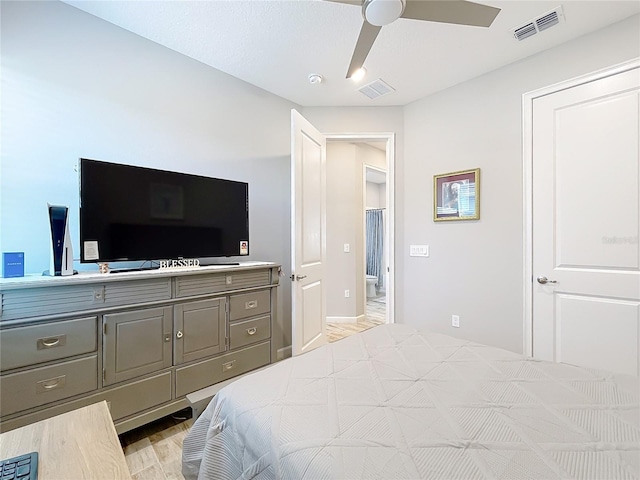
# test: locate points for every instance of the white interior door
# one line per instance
(586, 224)
(308, 235)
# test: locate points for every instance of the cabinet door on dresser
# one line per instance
(136, 343)
(199, 329)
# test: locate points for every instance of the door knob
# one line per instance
(298, 277)
(544, 280)
(179, 334)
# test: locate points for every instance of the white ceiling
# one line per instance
(276, 44)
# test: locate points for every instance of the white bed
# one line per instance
(394, 402)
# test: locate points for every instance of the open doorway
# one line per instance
(376, 248)
(351, 304)
(312, 278)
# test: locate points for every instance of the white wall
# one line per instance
(376, 195)
(76, 86)
(476, 267)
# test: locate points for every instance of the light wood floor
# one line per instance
(154, 451)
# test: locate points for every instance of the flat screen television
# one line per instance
(130, 213)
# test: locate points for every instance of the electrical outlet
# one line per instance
(455, 321)
(347, 294)
(347, 248)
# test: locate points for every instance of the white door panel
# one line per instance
(586, 192)
(597, 333)
(600, 201)
(311, 199)
(308, 235)
(312, 328)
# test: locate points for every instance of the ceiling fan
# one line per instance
(377, 13)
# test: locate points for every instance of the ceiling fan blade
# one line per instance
(348, 2)
(367, 36)
(451, 11)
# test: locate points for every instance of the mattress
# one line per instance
(395, 402)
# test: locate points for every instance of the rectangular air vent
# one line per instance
(525, 31)
(539, 24)
(376, 89)
(549, 20)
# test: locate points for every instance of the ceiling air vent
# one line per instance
(548, 20)
(525, 31)
(376, 89)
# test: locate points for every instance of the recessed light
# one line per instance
(315, 78)
(359, 74)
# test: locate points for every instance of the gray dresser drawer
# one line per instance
(187, 286)
(41, 301)
(138, 396)
(136, 291)
(20, 391)
(34, 344)
(200, 375)
(249, 331)
(249, 304)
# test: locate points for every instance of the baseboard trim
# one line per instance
(342, 319)
(357, 319)
(282, 353)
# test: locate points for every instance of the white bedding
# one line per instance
(394, 402)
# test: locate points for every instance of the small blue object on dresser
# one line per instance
(12, 264)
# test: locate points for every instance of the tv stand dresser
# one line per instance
(141, 341)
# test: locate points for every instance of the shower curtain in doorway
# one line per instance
(375, 236)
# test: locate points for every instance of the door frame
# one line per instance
(527, 156)
(390, 152)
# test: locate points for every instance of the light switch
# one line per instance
(347, 248)
(418, 250)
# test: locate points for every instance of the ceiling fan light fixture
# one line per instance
(358, 74)
(382, 12)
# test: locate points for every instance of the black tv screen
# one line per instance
(132, 213)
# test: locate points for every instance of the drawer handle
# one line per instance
(251, 304)
(228, 366)
(51, 342)
(51, 383)
(252, 331)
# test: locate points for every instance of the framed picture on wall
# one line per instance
(456, 196)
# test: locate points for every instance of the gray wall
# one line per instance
(73, 85)
(476, 267)
(342, 222)
(76, 86)
(345, 224)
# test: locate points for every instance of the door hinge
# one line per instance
(104, 375)
(226, 342)
(104, 328)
